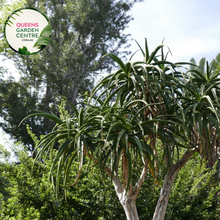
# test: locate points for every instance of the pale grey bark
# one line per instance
(128, 199)
(161, 207)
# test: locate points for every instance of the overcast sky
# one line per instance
(191, 28)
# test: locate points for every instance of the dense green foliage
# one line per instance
(30, 195)
(82, 32)
(141, 110)
(195, 193)
(132, 109)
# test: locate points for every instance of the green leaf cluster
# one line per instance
(26, 194)
(24, 51)
(195, 193)
(129, 112)
(81, 32)
(44, 38)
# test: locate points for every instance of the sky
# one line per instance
(191, 28)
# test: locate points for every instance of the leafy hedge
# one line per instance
(28, 195)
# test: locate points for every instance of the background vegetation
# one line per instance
(28, 195)
(82, 32)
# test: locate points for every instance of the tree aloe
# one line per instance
(127, 114)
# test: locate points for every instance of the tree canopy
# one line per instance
(129, 112)
(82, 32)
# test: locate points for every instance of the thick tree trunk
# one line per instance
(161, 207)
(128, 199)
(74, 94)
(129, 204)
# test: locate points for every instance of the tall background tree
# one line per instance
(82, 32)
